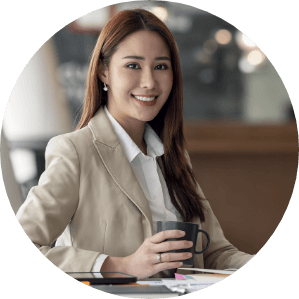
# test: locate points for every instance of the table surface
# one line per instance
(130, 292)
(138, 291)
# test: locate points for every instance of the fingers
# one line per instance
(166, 246)
(175, 257)
(172, 245)
(169, 260)
(166, 266)
(167, 234)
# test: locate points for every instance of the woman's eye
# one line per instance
(137, 66)
(133, 66)
(162, 67)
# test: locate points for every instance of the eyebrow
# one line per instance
(142, 58)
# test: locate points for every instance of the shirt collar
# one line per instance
(154, 144)
(153, 141)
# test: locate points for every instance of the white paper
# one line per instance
(150, 282)
(190, 285)
(197, 281)
(206, 278)
(228, 271)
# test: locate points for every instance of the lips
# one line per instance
(146, 100)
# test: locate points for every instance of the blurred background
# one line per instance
(239, 126)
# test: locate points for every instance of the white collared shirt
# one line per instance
(148, 174)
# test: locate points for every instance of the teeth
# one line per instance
(145, 99)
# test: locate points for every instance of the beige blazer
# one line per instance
(90, 200)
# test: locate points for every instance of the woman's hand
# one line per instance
(144, 262)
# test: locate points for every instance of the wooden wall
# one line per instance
(247, 172)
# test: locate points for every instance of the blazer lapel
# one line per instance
(116, 162)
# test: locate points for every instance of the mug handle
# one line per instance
(208, 241)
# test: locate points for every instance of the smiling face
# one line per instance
(139, 78)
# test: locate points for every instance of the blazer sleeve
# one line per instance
(50, 206)
(221, 253)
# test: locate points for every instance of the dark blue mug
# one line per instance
(191, 232)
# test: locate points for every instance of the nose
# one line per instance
(147, 79)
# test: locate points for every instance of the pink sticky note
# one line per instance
(179, 276)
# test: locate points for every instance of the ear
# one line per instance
(103, 74)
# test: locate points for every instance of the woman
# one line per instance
(107, 184)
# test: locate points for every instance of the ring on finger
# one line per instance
(159, 257)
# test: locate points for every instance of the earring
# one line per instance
(105, 87)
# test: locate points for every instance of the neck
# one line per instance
(134, 128)
(136, 133)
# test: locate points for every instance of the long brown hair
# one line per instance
(168, 124)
